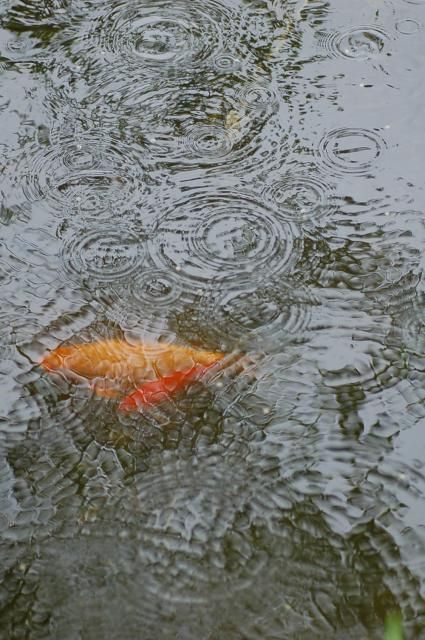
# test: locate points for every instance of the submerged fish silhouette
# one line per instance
(144, 372)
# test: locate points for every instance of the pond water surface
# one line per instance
(235, 175)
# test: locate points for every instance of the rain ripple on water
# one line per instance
(107, 254)
(194, 532)
(224, 236)
(359, 43)
(166, 37)
(85, 173)
(351, 151)
(204, 126)
(301, 194)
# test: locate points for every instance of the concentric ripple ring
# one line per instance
(350, 150)
(225, 236)
(106, 254)
(300, 197)
(360, 43)
(163, 34)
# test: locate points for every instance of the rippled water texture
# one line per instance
(243, 177)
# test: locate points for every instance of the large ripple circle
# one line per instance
(225, 236)
(107, 254)
(269, 314)
(85, 173)
(193, 535)
(165, 33)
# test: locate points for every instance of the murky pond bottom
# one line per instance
(238, 178)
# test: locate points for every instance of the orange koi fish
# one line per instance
(160, 390)
(116, 367)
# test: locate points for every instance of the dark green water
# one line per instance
(226, 174)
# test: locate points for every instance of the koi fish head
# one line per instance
(57, 359)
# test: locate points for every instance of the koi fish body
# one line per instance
(115, 367)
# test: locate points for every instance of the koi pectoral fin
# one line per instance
(161, 389)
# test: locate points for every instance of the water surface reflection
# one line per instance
(241, 177)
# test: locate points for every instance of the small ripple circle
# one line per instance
(208, 142)
(226, 63)
(300, 197)
(350, 150)
(257, 96)
(161, 39)
(408, 26)
(359, 43)
(155, 287)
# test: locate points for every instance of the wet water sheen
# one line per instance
(234, 175)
